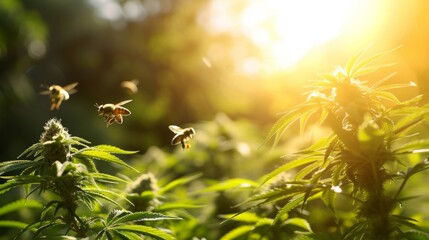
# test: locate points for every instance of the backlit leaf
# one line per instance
(178, 182)
(145, 230)
(19, 204)
(289, 206)
(105, 156)
(231, 184)
(289, 165)
(248, 217)
(13, 165)
(299, 222)
(237, 232)
(113, 149)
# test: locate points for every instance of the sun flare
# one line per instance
(284, 30)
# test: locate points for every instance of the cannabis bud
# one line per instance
(142, 193)
(54, 140)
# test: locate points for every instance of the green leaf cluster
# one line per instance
(357, 160)
(65, 166)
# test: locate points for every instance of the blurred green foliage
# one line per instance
(77, 45)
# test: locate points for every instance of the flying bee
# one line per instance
(183, 135)
(59, 94)
(113, 112)
(130, 86)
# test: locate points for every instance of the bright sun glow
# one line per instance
(284, 30)
(296, 26)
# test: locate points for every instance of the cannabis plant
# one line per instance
(63, 166)
(364, 156)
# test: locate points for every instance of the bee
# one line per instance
(130, 86)
(113, 112)
(59, 94)
(183, 135)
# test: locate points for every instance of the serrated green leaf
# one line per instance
(247, 217)
(145, 230)
(403, 199)
(114, 215)
(19, 204)
(39, 227)
(48, 207)
(178, 182)
(375, 86)
(171, 206)
(264, 222)
(126, 235)
(237, 232)
(410, 122)
(327, 76)
(304, 119)
(368, 70)
(62, 237)
(12, 224)
(274, 195)
(316, 148)
(113, 149)
(144, 216)
(408, 147)
(289, 206)
(331, 147)
(90, 165)
(323, 115)
(392, 86)
(328, 198)
(287, 166)
(71, 142)
(307, 170)
(18, 182)
(290, 189)
(45, 226)
(388, 96)
(358, 63)
(422, 166)
(285, 121)
(356, 231)
(338, 172)
(100, 193)
(229, 184)
(13, 165)
(299, 222)
(79, 139)
(405, 221)
(354, 60)
(107, 178)
(30, 151)
(90, 200)
(413, 235)
(105, 156)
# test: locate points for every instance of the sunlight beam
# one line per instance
(284, 31)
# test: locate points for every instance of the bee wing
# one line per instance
(69, 87)
(130, 86)
(135, 81)
(176, 139)
(175, 129)
(46, 92)
(123, 102)
(71, 91)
